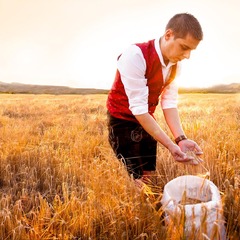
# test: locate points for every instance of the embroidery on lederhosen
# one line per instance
(137, 134)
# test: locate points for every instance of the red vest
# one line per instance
(117, 102)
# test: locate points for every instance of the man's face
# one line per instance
(177, 49)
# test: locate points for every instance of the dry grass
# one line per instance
(60, 180)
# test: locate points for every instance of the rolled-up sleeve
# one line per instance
(169, 97)
(132, 68)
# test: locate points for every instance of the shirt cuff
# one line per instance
(165, 104)
(138, 110)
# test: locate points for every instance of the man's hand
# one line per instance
(179, 155)
(192, 150)
(189, 145)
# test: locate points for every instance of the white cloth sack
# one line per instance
(199, 189)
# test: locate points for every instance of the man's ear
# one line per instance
(168, 34)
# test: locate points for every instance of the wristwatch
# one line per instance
(180, 138)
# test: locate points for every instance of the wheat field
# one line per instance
(59, 178)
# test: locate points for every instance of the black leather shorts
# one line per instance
(132, 145)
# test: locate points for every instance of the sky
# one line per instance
(75, 43)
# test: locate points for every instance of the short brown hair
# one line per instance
(184, 23)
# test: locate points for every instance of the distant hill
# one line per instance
(223, 88)
(45, 89)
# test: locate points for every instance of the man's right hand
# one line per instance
(180, 156)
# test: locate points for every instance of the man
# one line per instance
(145, 73)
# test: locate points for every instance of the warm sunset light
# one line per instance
(76, 43)
(86, 153)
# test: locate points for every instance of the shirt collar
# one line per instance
(158, 50)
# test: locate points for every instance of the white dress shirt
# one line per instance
(132, 68)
